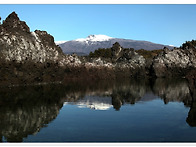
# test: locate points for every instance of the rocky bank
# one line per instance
(33, 57)
(176, 62)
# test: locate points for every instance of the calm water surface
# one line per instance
(102, 111)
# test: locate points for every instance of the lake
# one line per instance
(125, 110)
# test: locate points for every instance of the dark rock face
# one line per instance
(117, 52)
(176, 62)
(128, 61)
(120, 54)
(13, 23)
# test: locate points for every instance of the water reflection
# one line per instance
(25, 110)
(172, 90)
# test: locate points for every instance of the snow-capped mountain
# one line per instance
(60, 42)
(93, 42)
(94, 38)
(94, 102)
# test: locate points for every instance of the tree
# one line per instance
(101, 52)
(189, 45)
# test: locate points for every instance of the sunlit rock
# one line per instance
(174, 62)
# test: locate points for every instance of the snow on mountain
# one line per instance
(95, 102)
(59, 42)
(94, 38)
(171, 45)
(83, 46)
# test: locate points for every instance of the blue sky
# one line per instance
(164, 24)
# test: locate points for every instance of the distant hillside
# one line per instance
(93, 42)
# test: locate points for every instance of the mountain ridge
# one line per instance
(93, 42)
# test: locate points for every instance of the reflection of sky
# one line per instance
(149, 121)
(143, 115)
(105, 103)
(149, 96)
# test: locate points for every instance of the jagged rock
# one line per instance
(21, 49)
(127, 57)
(117, 52)
(120, 54)
(174, 62)
(13, 23)
(18, 44)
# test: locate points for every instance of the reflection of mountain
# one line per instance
(25, 110)
(191, 119)
(94, 102)
(129, 92)
(110, 93)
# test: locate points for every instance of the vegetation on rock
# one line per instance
(189, 45)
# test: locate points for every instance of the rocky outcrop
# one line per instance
(177, 62)
(119, 54)
(13, 24)
(18, 44)
(20, 49)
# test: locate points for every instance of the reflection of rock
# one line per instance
(105, 94)
(25, 111)
(129, 94)
(172, 90)
(191, 119)
(191, 77)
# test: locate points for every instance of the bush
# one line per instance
(148, 54)
(189, 45)
(101, 52)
